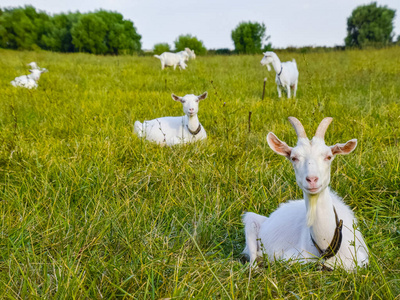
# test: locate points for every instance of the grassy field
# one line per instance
(88, 210)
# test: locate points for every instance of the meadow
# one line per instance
(90, 211)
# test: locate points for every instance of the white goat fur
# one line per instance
(169, 59)
(33, 65)
(289, 75)
(286, 233)
(175, 130)
(28, 81)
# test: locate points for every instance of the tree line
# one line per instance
(100, 32)
(106, 32)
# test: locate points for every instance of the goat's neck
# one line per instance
(277, 64)
(321, 217)
(192, 122)
(34, 77)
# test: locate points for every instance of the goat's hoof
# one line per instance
(244, 258)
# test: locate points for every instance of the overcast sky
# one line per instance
(288, 22)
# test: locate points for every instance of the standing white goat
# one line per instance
(175, 130)
(28, 81)
(191, 53)
(287, 74)
(169, 59)
(309, 229)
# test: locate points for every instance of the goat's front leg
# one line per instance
(288, 91)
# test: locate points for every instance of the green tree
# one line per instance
(120, 34)
(101, 32)
(370, 25)
(249, 38)
(58, 33)
(161, 48)
(88, 34)
(22, 28)
(105, 32)
(189, 41)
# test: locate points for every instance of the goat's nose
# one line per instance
(312, 179)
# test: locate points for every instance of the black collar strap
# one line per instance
(334, 246)
(279, 74)
(194, 132)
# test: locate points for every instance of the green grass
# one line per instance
(88, 210)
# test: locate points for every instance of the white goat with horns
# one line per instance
(287, 74)
(320, 227)
(175, 130)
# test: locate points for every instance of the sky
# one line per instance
(289, 22)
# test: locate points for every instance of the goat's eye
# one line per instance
(328, 157)
(294, 158)
(183, 102)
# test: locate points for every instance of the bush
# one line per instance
(189, 41)
(161, 48)
(249, 37)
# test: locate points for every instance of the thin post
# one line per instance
(249, 120)
(265, 80)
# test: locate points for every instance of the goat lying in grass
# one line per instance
(28, 81)
(309, 229)
(175, 130)
(287, 74)
(169, 59)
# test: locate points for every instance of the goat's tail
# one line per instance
(294, 61)
(14, 83)
(252, 224)
(157, 56)
(138, 128)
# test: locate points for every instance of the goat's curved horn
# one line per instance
(301, 133)
(322, 127)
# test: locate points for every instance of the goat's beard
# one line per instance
(311, 210)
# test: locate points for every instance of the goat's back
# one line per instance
(170, 131)
(171, 59)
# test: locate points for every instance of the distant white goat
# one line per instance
(184, 55)
(287, 74)
(169, 59)
(321, 227)
(28, 81)
(191, 53)
(175, 130)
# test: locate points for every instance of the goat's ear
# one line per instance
(203, 96)
(344, 148)
(176, 98)
(278, 146)
(265, 53)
